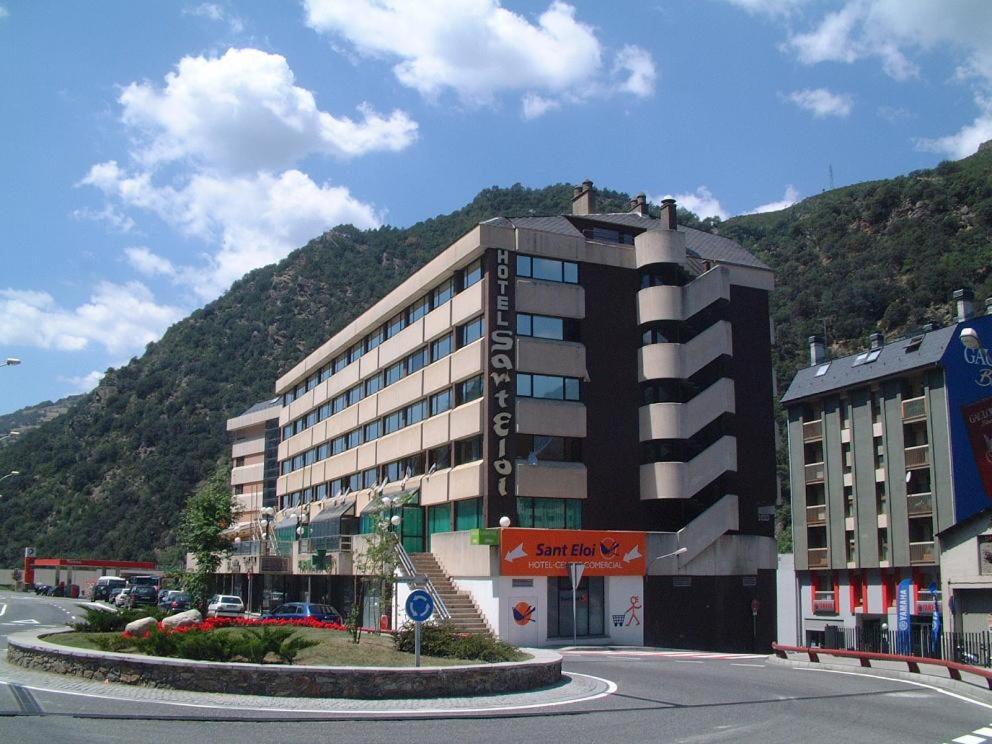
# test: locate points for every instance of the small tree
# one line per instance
(207, 514)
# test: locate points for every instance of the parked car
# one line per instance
(325, 613)
(175, 601)
(105, 585)
(142, 595)
(225, 605)
(42, 589)
(114, 594)
(121, 599)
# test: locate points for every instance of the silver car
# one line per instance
(225, 605)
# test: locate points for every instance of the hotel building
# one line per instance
(577, 375)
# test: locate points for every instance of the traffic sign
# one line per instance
(419, 606)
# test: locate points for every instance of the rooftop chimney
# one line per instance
(639, 205)
(584, 199)
(877, 340)
(929, 327)
(964, 301)
(817, 350)
(668, 219)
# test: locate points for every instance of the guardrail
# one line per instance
(408, 569)
(913, 663)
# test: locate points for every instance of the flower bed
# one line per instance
(212, 623)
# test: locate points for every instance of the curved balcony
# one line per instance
(680, 361)
(682, 420)
(683, 480)
(659, 246)
(681, 303)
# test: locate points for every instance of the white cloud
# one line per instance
(639, 65)
(255, 219)
(768, 7)
(243, 112)
(114, 218)
(147, 263)
(965, 141)
(85, 383)
(214, 12)
(4, 12)
(120, 317)
(702, 203)
(534, 106)
(791, 197)
(478, 49)
(822, 103)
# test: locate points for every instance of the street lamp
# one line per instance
(969, 338)
(10, 362)
(9, 435)
(504, 521)
(674, 553)
(11, 474)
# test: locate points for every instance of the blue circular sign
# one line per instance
(419, 606)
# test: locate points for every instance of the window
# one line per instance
(443, 293)
(339, 445)
(468, 450)
(320, 493)
(369, 478)
(441, 348)
(417, 360)
(325, 412)
(420, 308)
(324, 451)
(373, 384)
(340, 362)
(325, 373)
(548, 269)
(393, 422)
(439, 457)
(354, 438)
(471, 331)
(548, 448)
(396, 325)
(340, 402)
(311, 419)
(549, 387)
(286, 467)
(372, 430)
(354, 395)
(374, 339)
(416, 412)
(545, 326)
(590, 607)
(394, 373)
(298, 461)
(310, 457)
(287, 431)
(239, 461)
(472, 274)
(468, 390)
(468, 514)
(440, 402)
(557, 514)
(239, 489)
(356, 351)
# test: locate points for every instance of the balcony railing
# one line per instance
(919, 504)
(815, 472)
(330, 543)
(914, 409)
(246, 547)
(823, 602)
(818, 558)
(918, 457)
(816, 514)
(274, 564)
(921, 552)
(812, 430)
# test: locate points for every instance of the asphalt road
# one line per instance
(660, 698)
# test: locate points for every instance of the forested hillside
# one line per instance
(110, 475)
(31, 417)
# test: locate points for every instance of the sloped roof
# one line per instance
(893, 359)
(271, 403)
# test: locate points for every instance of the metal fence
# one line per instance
(967, 648)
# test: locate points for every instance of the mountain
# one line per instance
(109, 476)
(32, 417)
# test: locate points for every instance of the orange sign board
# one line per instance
(533, 552)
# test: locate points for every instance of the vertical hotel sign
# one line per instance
(502, 381)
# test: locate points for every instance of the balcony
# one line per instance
(815, 472)
(818, 558)
(914, 409)
(816, 514)
(812, 430)
(921, 552)
(918, 457)
(311, 545)
(823, 603)
(919, 504)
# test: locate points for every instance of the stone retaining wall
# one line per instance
(31, 651)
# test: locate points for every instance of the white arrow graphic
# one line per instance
(634, 553)
(517, 552)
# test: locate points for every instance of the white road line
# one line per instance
(3, 610)
(984, 731)
(753, 666)
(686, 661)
(611, 688)
(969, 739)
(896, 679)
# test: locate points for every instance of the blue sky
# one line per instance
(151, 153)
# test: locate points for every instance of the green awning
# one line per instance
(409, 498)
(327, 522)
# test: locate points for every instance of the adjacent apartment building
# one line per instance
(891, 474)
(600, 382)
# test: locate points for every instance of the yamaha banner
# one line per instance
(904, 608)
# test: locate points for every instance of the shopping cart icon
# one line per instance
(618, 620)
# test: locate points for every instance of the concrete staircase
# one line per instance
(464, 614)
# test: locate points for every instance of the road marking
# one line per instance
(969, 739)
(27, 621)
(686, 661)
(25, 700)
(611, 688)
(896, 679)
(3, 610)
(753, 666)
(984, 731)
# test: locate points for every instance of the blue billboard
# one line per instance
(968, 375)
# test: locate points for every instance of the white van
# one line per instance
(106, 584)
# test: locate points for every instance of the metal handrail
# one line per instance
(409, 570)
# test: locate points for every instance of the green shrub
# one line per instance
(207, 645)
(257, 643)
(444, 640)
(108, 621)
(113, 643)
(289, 648)
(157, 643)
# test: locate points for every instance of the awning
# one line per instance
(409, 498)
(241, 528)
(327, 522)
(289, 520)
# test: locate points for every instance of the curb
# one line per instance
(29, 650)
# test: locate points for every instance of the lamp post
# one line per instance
(9, 435)
(673, 554)
(10, 362)
(11, 474)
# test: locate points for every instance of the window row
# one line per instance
(413, 362)
(462, 392)
(437, 297)
(549, 387)
(445, 456)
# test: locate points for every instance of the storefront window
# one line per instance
(589, 607)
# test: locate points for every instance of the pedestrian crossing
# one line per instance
(663, 655)
(981, 735)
